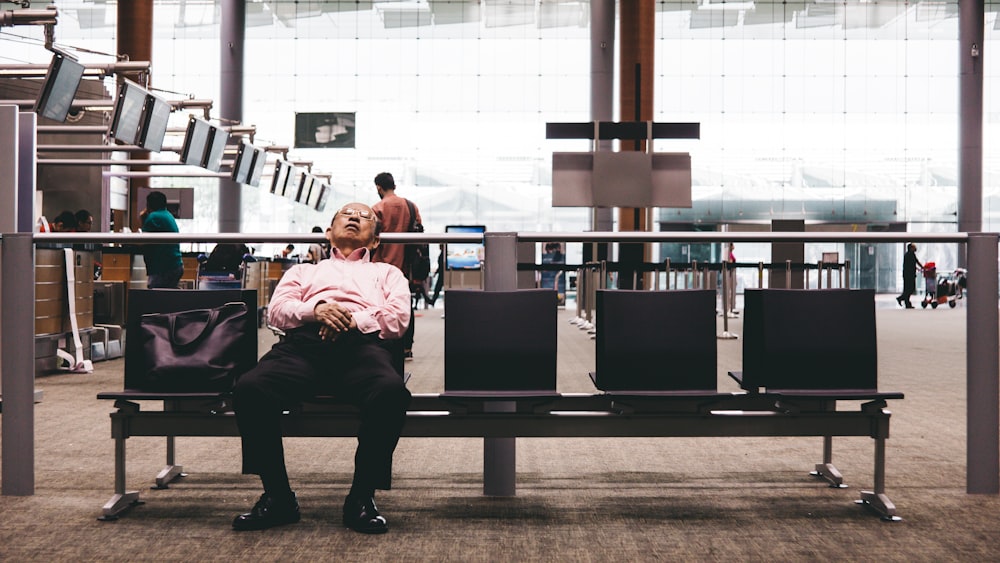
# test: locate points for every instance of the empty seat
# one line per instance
(656, 341)
(500, 341)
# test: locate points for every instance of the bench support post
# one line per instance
(499, 472)
(122, 500)
(499, 458)
(171, 471)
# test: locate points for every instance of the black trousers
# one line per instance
(355, 368)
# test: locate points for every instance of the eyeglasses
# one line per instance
(362, 213)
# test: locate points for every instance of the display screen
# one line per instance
(195, 141)
(59, 88)
(281, 171)
(155, 115)
(259, 160)
(463, 255)
(128, 113)
(217, 140)
(324, 194)
(243, 167)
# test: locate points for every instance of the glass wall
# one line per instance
(842, 112)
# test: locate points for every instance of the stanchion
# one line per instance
(725, 335)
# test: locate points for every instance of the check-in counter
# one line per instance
(51, 295)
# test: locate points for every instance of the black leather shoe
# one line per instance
(268, 513)
(899, 301)
(362, 515)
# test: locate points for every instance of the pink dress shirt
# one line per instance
(377, 294)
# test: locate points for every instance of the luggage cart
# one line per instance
(930, 286)
(946, 288)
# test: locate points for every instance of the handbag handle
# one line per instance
(210, 323)
(213, 316)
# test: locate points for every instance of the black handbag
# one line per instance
(197, 350)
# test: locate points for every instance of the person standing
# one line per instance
(336, 316)
(164, 266)
(910, 265)
(439, 280)
(393, 212)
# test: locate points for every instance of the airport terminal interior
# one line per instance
(265, 117)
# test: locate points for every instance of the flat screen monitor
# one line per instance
(217, 139)
(155, 115)
(306, 185)
(127, 118)
(281, 171)
(243, 166)
(196, 141)
(291, 187)
(55, 99)
(312, 198)
(324, 195)
(257, 169)
(465, 255)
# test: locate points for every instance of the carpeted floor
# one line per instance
(683, 499)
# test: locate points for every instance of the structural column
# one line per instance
(233, 38)
(638, 28)
(602, 95)
(970, 110)
(135, 43)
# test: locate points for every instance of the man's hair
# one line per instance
(82, 216)
(67, 218)
(156, 201)
(290, 247)
(384, 180)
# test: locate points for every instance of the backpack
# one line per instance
(416, 257)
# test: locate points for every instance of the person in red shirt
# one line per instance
(394, 213)
(336, 315)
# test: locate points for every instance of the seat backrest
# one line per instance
(656, 340)
(500, 340)
(818, 339)
(145, 301)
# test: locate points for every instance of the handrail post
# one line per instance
(982, 367)
(17, 321)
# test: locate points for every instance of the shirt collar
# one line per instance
(359, 255)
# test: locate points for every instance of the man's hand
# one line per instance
(334, 320)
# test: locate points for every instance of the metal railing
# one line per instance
(500, 274)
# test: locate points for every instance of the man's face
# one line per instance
(353, 227)
(85, 226)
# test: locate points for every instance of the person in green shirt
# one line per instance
(164, 266)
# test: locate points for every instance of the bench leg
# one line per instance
(826, 470)
(171, 471)
(499, 457)
(122, 500)
(877, 500)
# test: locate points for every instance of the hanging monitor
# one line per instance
(306, 184)
(257, 169)
(291, 187)
(282, 169)
(195, 141)
(217, 140)
(312, 198)
(55, 98)
(127, 118)
(155, 115)
(243, 165)
(324, 194)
